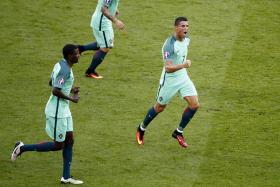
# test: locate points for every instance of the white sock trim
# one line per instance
(143, 129)
(179, 130)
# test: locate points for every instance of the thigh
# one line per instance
(69, 140)
(166, 91)
(105, 39)
(69, 124)
(187, 89)
(56, 128)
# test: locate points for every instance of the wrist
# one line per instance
(115, 20)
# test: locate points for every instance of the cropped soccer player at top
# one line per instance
(105, 14)
(174, 79)
(59, 124)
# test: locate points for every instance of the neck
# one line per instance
(179, 38)
(70, 64)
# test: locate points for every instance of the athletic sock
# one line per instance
(141, 126)
(67, 159)
(149, 117)
(96, 61)
(41, 147)
(186, 117)
(91, 46)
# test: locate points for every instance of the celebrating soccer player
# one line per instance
(105, 14)
(59, 124)
(174, 78)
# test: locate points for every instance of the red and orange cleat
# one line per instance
(140, 136)
(180, 138)
(94, 75)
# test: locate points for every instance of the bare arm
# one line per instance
(119, 24)
(170, 67)
(58, 93)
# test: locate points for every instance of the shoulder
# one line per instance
(64, 68)
(56, 67)
(170, 40)
(169, 43)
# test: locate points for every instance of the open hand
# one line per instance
(119, 24)
(75, 98)
(188, 63)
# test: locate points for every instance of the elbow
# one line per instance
(104, 10)
(55, 91)
(168, 69)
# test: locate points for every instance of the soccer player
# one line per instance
(105, 14)
(174, 78)
(59, 124)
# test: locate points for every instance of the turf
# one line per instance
(234, 138)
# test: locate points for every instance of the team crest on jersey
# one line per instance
(166, 55)
(60, 136)
(61, 81)
(108, 1)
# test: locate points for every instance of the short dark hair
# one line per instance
(179, 19)
(68, 49)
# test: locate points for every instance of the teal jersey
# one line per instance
(98, 20)
(62, 77)
(175, 51)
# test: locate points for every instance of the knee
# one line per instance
(106, 50)
(195, 106)
(159, 108)
(69, 140)
(58, 146)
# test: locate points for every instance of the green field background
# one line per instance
(233, 139)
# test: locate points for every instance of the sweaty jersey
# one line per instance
(175, 51)
(62, 77)
(98, 20)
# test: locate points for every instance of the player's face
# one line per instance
(74, 58)
(182, 29)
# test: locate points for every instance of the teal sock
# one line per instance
(91, 46)
(186, 117)
(149, 117)
(41, 147)
(67, 159)
(96, 61)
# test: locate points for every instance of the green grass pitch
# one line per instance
(234, 138)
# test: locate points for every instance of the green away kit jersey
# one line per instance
(98, 20)
(175, 51)
(62, 77)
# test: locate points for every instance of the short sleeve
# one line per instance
(168, 49)
(107, 3)
(60, 80)
(59, 76)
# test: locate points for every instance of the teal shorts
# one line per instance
(171, 86)
(56, 128)
(104, 39)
